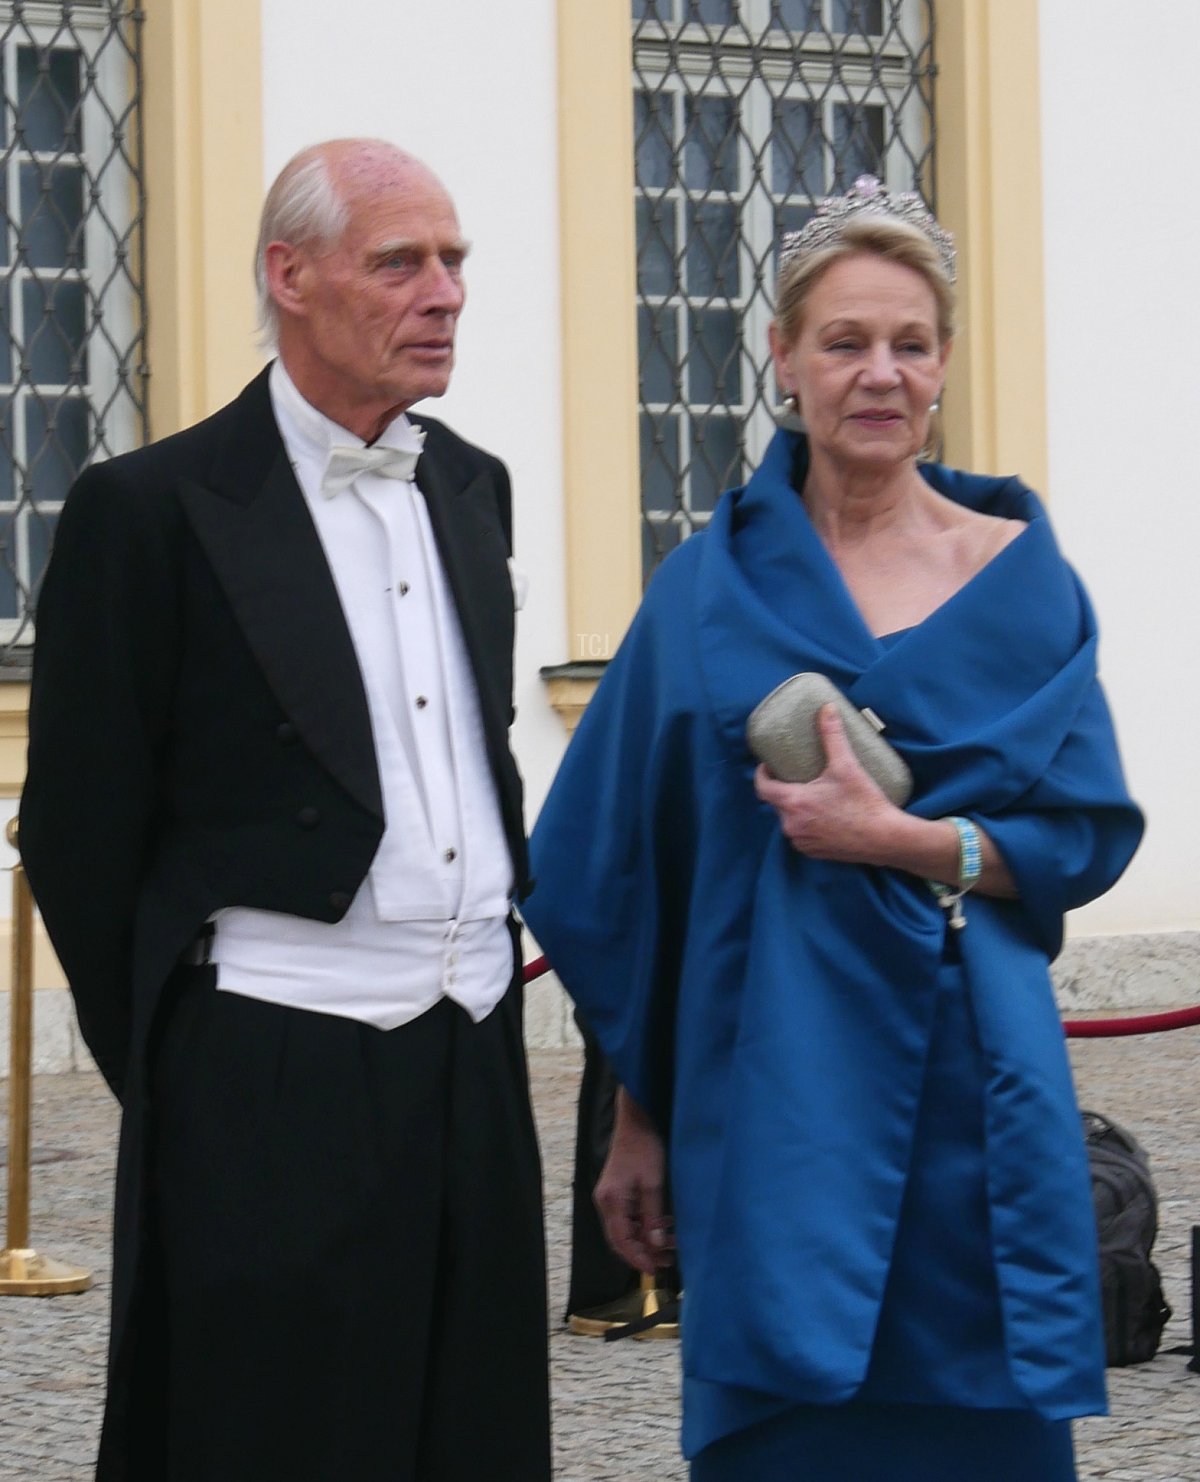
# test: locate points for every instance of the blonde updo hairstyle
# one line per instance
(882, 236)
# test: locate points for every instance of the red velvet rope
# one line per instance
(1073, 1028)
(536, 968)
(1132, 1024)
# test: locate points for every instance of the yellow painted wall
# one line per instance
(14, 737)
(204, 187)
(599, 366)
(990, 196)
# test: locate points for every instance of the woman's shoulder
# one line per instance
(1001, 496)
(994, 532)
(975, 536)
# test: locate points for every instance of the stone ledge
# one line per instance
(549, 1022)
(57, 1044)
(1143, 970)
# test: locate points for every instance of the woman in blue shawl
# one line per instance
(881, 1194)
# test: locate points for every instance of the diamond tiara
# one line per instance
(867, 195)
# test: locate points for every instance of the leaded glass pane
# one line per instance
(796, 15)
(654, 128)
(56, 437)
(48, 98)
(39, 532)
(788, 218)
(656, 246)
(8, 488)
(710, 144)
(858, 130)
(52, 215)
(711, 12)
(660, 459)
(716, 460)
(712, 250)
(714, 365)
(6, 346)
(797, 148)
(740, 131)
(9, 559)
(864, 16)
(659, 539)
(55, 319)
(658, 353)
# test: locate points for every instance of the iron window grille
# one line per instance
(72, 302)
(746, 113)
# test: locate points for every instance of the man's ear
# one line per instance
(287, 276)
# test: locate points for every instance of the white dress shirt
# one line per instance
(430, 918)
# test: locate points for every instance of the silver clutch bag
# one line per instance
(782, 732)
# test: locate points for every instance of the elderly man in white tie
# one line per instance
(275, 830)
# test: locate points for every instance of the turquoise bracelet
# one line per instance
(970, 867)
(970, 852)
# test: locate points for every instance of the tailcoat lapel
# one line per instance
(478, 576)
(463, 511)
(255, 529)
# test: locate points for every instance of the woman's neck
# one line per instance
(849, 505)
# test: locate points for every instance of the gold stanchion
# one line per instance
(653, 1300)
(601, 1322)
(25, 1272)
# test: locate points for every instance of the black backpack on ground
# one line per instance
(1135, 1312)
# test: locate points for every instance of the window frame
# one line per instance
(756, 67)
(113, 376)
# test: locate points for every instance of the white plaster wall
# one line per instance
(1122, 231)
(471, 89)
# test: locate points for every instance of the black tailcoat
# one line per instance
(199, 733)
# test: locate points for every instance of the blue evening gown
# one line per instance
(938, 1403)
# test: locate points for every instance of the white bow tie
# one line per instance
(346, 464)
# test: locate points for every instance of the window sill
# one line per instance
(569, 688)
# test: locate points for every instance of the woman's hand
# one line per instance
(629, 1193)
(842, 815)
(839, 815)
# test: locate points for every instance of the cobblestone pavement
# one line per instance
(615, 1405)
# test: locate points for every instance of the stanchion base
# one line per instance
(28, 1273)
(653, 1300)
(594, 1322)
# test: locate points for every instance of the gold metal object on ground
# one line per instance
(25, 1272)
(648, 1299)
(653, 1298)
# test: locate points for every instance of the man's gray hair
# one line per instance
(304, 207)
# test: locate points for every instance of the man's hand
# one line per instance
(629, 1192)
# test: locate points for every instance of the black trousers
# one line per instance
(350, 1228)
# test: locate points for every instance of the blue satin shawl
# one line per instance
(773, 1011)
